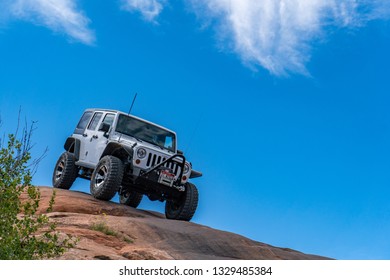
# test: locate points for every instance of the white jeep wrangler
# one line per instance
(121, 153)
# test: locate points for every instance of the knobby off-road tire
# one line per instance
(106, 178)
(184, 208)
(65, 171)
(130, 198)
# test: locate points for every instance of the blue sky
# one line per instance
(283, 105)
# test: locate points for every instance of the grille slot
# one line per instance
(149, 160)
(176, 169)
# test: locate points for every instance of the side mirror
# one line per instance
(105, 128)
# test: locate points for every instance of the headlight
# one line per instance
(186, 168)
(141, 153)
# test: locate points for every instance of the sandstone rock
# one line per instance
(145, 235)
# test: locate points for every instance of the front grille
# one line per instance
(154, 159)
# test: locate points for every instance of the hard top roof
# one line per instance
(120, 112)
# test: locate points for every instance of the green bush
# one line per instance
(24, 233)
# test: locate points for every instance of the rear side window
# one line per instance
(95, 120)
(83, 123)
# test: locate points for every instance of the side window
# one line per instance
(83, 123)
(109, 119)
(107, 122)
(95, 120)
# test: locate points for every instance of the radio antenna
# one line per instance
(131, 107)
(132, 104)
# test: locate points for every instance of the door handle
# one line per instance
(85, 135)
(95, 137)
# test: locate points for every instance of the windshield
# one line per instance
(146, 132)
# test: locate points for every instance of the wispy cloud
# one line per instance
(62, 16)
(149, 9)
(277, 34)
(274, 34)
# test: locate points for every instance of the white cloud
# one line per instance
(149, 9)
(61, 16)
(277, 34)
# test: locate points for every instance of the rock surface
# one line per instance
(143, 235)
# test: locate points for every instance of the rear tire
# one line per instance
(130, 198)
(106, 178)
(185, 207)
(65, 171)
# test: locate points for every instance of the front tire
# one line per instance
(130, 198)
(185, 207)
(106, 178)
(65, 171)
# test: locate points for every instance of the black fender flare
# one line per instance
(72, 145)
(115, 149)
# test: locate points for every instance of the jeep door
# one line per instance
(79, 134)
(96, 138)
